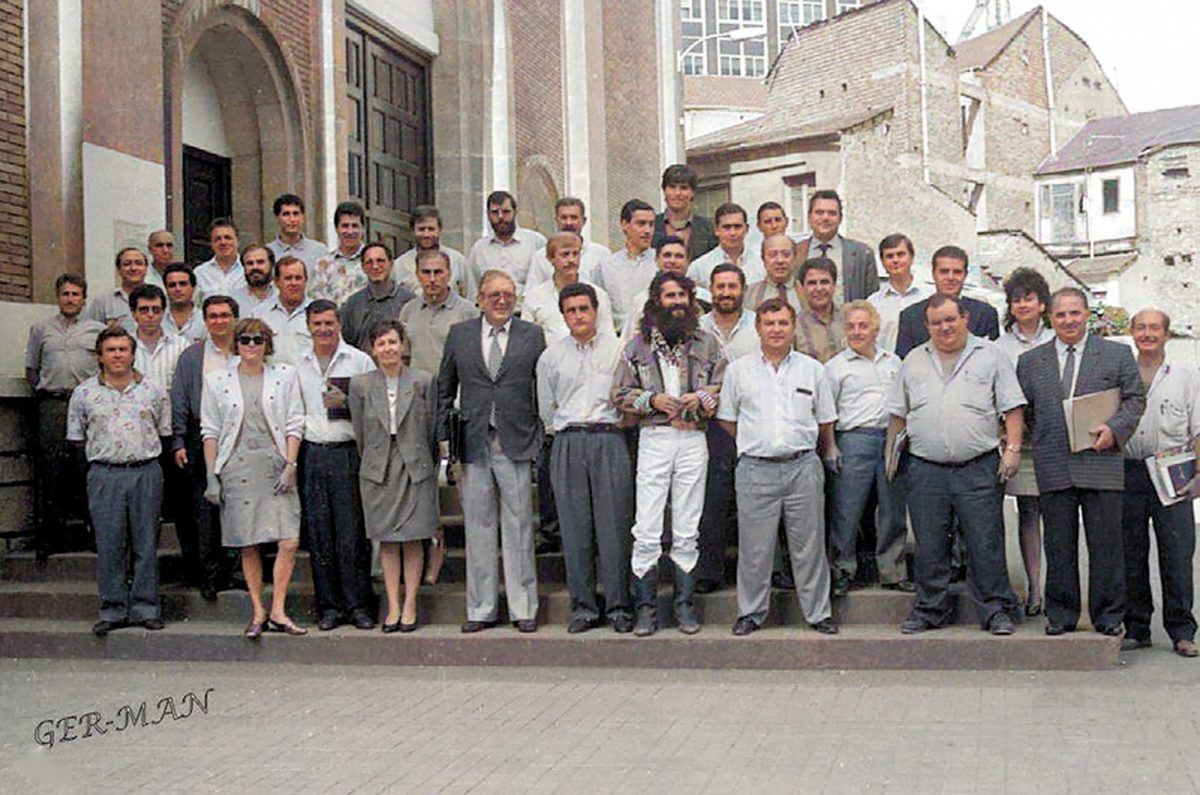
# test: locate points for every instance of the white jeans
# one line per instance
(669, 461)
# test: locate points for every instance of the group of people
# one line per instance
(705, 384)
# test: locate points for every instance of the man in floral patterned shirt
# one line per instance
(339, 274)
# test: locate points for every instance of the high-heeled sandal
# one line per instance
(289, 627)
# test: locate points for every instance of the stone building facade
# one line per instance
(166, 113)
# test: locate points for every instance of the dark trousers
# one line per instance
(177, 509)
(200, 539)
(548, 522)
(59, 482)
(124, 504)
(718, 522)
(337, 543)
(1175, 537)
(1106, 558)
(593, 486)
(936, 494)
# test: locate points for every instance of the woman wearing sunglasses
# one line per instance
(252, 420)
(394, 411)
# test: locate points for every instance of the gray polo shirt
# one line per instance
(956, 418)
(363, 310)
(62, 351)
(428, 326)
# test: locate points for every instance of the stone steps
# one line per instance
(856, 648)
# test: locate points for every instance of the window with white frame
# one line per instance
(691, 15)
(798, 187)
(848, 5)
(1058, 209)
(741, 58)
(795, 14)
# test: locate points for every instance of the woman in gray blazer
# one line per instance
(394, 411)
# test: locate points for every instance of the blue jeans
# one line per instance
(863, 467)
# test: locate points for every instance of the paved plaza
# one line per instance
(293, 729)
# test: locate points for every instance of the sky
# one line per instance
(1149, 49)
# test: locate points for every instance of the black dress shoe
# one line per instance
(707, 586)
(826, 626)
(841, 584)
(622, 624)
(579, 624)
(914, 625)
(208, 592)
(1055, 629)
(745, 625)
(471, 626)
(406, 628)
(783, 581)
(153, 624)
(1111, 632)
(526, 625)
(904, 586)
(329, 621)
(102, 628)
(1001, 624)
(388, 629)
(361, 620)
(1133, 644)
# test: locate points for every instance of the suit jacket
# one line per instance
(982, 321)
(186, 387)
(416, 424)
(703, 238)
(858, 274)
(222, 408)
(1103, 365)
(513, 393)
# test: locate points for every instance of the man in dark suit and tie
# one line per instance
(855, 261)
(1074, 364)
(494, 359)
(949, 274)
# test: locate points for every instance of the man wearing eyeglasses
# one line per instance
(493, 359)
(162, 253)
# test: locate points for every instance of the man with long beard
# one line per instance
(668, 380)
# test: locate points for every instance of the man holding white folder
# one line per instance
(1172, 420)
(1076, 365)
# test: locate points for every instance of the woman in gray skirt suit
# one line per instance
(251, 421)
(394, 411)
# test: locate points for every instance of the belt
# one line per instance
(592, 427)
(125, 464)
(869, 431)
(956, 464)
(779, 459)
(53, 394)
(329, 445)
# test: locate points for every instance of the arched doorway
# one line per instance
(237, 131)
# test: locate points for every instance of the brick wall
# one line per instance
(631, 105)
(15, 275)
(537, 83)
(1169, 207)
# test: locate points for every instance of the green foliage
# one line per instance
(1108, 321)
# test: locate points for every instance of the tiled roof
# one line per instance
(980, 51)
(766, 130)
(1092, 270)
(1122, 139)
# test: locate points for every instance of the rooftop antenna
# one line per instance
(994, 13)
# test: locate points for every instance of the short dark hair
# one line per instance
(570, 201)
(383, 327)
(147, 292)
(774, 304)
(219, 222)
(672, 240)
(1020, 283)
(679, 174)
(824, 193)
(938, 301)
(632, 206)
(728, 267)
(769, 206)
(574, 291)
(288, 260)
(285, 199)
(318, 306)
(423, 212)
(497, 197)
(213, 300)
(110, 332)
(378, 244)
(1064, 292)
(729, 208)
(893, 240)
(348, 208)
(817, 264)
(431, 253)
(949, 252)
(251, 246)
(122, 252)
(179, 267)
(70, 278)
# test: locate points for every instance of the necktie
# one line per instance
(782, 292)
(824, 249)
(495, 355)
(1068, 373)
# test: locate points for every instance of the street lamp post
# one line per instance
(738, 34)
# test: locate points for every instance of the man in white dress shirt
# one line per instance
(564, 251)
(285, 313)
(291, 242)
(730, 223)
(627, 272)
(770, 220)
(570, 216)
(900, 291)
(589, 461)
(426, 227)
(506, 249)
(223, 273)
(111, 307)
(861, 377)
(778, 406)
(182, 318)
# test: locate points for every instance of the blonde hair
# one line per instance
(862, 305)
